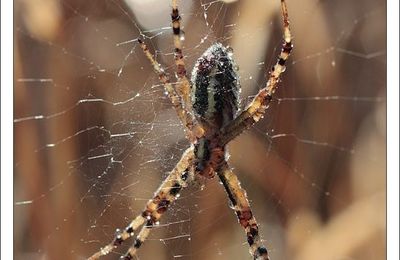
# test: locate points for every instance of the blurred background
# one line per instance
(95, 135)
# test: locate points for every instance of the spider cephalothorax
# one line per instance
(208, 109)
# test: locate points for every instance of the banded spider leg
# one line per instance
(256, 108)
(155, 207)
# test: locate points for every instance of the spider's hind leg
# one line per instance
(238, 199)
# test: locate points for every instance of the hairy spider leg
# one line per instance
(165, 195)
(183, 85)
(119, 237)
(256, 109)
(192, 128)
(241, 206)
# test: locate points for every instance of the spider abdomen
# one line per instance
(215, 86)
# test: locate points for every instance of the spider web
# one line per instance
(95, 135)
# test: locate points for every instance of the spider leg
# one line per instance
(178, 178)
(183, 85)
(140, 238)
(193, 129)
(256, 109)
(238, 198)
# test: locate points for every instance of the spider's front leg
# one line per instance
(256, 109)
(155, 207)
(183, 85)
(180, 94)
(238, 198)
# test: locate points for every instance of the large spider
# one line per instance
(208, 108)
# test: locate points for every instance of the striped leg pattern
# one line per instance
(176, 29)
(166, 194)
(238, 198)
(256, 109)
(183, 85)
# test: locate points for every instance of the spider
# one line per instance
(208, 108)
